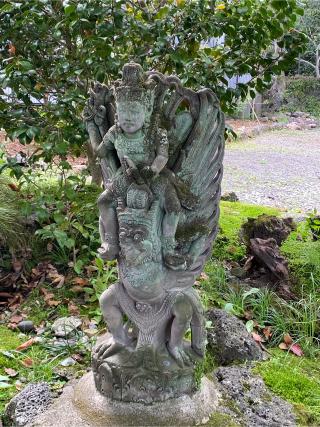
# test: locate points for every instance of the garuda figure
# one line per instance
(161, 147)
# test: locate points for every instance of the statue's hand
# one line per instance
(131, 170)
(98, 352)
(148, 173)
(180, 356)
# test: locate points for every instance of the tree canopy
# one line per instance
(50, 50)
(309, 24)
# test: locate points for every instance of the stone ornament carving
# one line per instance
(161, 148)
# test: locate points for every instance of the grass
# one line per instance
(303, 255)
(45, 364)
(41, 370)
(296, 380)
(11, 228)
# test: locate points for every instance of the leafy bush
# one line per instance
(52, 49)
(313, 222)
(67, 219)
(302, 94)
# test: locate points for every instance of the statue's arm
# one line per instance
(162, 154)
(106, 150)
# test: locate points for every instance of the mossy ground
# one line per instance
(303, 255)
(219, 419)
(297, 380)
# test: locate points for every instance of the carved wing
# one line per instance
(98, 116)
(199, 166)
(196, 136)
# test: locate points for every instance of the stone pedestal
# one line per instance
(81, 405)
(142, 375)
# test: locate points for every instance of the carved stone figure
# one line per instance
(161, 148)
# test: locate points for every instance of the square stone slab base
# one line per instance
(81, 405)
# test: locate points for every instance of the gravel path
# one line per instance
(279, 168)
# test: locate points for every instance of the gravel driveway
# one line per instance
(279, 168)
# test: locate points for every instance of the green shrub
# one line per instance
(67, 219)
(302, 94)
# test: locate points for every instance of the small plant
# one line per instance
(67, 219)
(313, 223)
(106, 274)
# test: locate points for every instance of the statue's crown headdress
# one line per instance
(134, 85)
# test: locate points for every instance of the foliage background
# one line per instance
(50, 50)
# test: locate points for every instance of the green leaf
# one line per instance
(7, 8)
(89, 291)
(99, 263)
(249, 326)
(299, 11)
(32, 132)
(4, 378)
(229, 308)
(277, 4)
(78, 266)
(5, 385)
(70, 9)
(162, 12)
(25, 65)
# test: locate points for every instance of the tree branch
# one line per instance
(306, 62)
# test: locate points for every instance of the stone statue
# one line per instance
(161, 147)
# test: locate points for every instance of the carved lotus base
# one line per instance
(143, 376)
(81, 405)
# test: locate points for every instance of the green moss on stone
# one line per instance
(204, 367)
(297, 380)
(218, 419)
(192, 230)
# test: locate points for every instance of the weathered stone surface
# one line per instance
(26, 326)
(267, 226)
(294, 126)
(139, 376)
(252, 400)
(229, 340)
(81, 405)
(65, 326)
(27, 404)
(238, 272)
(230, 197)
(162, 169)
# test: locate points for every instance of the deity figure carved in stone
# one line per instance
(161, 148)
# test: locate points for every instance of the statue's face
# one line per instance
(131, 116)
(134, 244)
